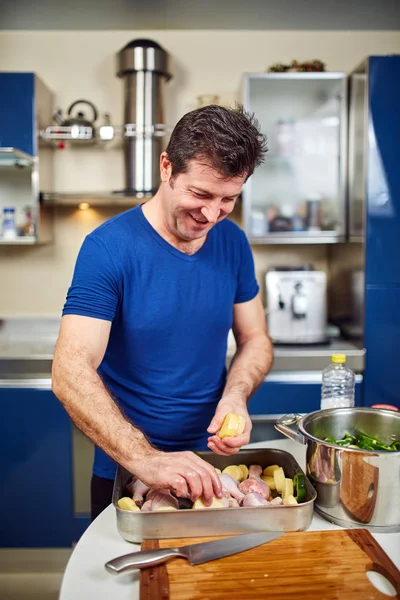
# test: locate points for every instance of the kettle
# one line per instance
(79, 118)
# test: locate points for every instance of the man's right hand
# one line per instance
(188, 475)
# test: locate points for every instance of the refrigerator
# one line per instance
(374, 216)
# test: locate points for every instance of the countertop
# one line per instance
(85, 576)
(27, 348)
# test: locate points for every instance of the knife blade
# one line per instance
(194, 553)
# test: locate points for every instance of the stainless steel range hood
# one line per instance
(144, 67)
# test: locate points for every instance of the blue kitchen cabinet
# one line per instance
(382, 264)
(17, 112)
(283, 393)
(36, 487)
(382, 339)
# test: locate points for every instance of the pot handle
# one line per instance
(92, 106)
(282, 425)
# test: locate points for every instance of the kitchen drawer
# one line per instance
(382, 340)
(36, 493)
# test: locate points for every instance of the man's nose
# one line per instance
(211, 213)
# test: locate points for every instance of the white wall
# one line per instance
(82, 64)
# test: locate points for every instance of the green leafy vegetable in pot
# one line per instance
(363, 442)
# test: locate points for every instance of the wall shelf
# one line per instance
(27, 240)
(14, 157)
(94, 199)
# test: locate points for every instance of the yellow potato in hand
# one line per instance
(233, 425)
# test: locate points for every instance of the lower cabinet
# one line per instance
(36, 486)
(382, 340)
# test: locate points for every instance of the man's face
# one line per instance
(197, 199)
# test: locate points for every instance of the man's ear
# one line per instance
(165, 167)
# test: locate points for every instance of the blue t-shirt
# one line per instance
(171, 314)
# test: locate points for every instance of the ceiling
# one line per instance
(200, 14)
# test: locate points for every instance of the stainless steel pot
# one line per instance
(355, 488)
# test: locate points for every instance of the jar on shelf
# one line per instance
(29, 226)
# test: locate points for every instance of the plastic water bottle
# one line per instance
(338, 384)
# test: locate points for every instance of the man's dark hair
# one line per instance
(227, 138)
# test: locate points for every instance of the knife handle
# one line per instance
(141, 560)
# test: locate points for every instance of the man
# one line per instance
(140, 359)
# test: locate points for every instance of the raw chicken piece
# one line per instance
(254, 484)
(230, 485)
(137, 489)
(227, 501)
(255, 471)
(233, 503)
(146, 506)
(278, 500)
(159, 498)
(254, 499)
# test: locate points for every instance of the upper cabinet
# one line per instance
(299, 194)
(26, 105)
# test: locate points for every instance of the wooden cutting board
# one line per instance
(320, 565)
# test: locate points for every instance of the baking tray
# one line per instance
(137, 526)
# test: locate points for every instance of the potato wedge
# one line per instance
(270, 481)
(234, 471)
(232, 426)
(199, 504)
(279, 477)
(269, 471)
(128, 504)
(245, 471)
(287, 489)
(289, 500)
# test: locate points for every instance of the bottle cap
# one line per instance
(338, 358)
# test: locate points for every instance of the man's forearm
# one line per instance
(84, 396)
(250, 364)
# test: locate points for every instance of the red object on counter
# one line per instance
(385, 406)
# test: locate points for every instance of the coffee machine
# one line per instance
(296, 305)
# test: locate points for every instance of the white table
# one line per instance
(85, 576)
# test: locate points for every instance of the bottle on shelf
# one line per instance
(9, 230)
(338, 384)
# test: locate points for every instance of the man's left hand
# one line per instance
(229, 445)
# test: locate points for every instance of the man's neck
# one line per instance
(152, 210)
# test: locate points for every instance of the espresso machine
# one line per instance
(296, 305)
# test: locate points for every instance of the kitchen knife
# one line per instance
(195, 553)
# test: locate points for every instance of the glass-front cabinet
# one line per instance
(299, 193)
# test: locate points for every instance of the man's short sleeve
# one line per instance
(247, 286)
(95, 289)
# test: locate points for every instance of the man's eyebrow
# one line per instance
(207, 193)
(200, 190)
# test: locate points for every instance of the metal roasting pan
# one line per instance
(137, 526)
